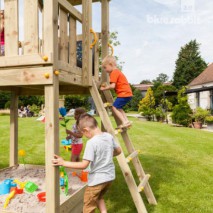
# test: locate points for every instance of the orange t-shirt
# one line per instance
(122, 87)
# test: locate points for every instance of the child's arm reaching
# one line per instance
(59, 161)
(76, 135)
(107, 87)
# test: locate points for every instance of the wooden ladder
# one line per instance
(122, 160)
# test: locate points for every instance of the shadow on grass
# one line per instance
(162, 171)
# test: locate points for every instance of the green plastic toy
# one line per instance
(64, 185)
(30, 187)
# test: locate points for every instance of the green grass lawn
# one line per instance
(180, 161)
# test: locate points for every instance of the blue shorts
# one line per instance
(121, 102)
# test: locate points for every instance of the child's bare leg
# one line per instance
(124, 115)
(102, 206)
(118, 114)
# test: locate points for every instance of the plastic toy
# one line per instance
(10, 196)
(83, 176)
(21, 184)
(68, 148)
(42, 197)
(30, 187)
(5, 187)
(63, 180)
(66, 142)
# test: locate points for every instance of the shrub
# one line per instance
(200, 114)
(181, 113)
(209, 119)
(35, 109)
(159, 113)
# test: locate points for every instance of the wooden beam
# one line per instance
(50, 33)
(51, 147)
(72, 41)
(11, 27)
(87, 38)
(74, 204)
(72, 10)
(69, 68)
(26, 76)
(79, 2)
(14, 129)
(70, 78)
(105, 35)
(96, 61)
(30, 27)
(25, 60)
(63, 42)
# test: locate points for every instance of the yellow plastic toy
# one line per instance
(10, 196)
(21, 184)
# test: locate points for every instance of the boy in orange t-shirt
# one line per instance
(122, 88)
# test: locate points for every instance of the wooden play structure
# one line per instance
(45, 63)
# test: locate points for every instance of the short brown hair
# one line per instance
(86, 120)
(79, 111)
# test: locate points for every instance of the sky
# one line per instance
(152, 32)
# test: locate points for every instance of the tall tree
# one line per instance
(188, 65)
(162, 78)
(146, 81)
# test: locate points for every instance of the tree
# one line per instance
(133, 104)
(188, 65)
(162, 78)
(181, 113)
(146, 105)
(146, 81)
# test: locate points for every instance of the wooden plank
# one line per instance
(52, 147)
(96, 61)
(26, 76)
(11, 27)
(63, 43)
(74, 202)
(70, 78)
(80, 36)
(72, 10)
(136, 162)
(14, 129)
(79, 2)
(143, 183)
(121, 158)
(69, 68)
(31, 37)
(24, 60)
(87, 38)
(72, 41)
(105, 35)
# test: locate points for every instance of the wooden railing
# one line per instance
(30, 50)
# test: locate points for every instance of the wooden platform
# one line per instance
(28, 203)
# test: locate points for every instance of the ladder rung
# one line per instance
(107, 104)
(132, 155)
(143, 183)
(117, 131)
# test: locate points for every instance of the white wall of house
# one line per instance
(204, 98)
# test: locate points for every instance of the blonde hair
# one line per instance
(109, 60)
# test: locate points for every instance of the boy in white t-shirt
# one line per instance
(99, 153)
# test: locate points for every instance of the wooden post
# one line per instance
(87, 52)
(14, 129)
(31, 38)
(105, 35)
(11, 27)
(50, 44)
(72, 41)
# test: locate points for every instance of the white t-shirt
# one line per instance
(99, 151)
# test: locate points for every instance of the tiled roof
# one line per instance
(142, 87)
(205, 77)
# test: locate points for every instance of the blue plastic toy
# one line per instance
(66, 142)
(6, 185)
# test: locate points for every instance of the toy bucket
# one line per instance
(84, 176)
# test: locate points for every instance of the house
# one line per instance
(143, 88)
(200, 90)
